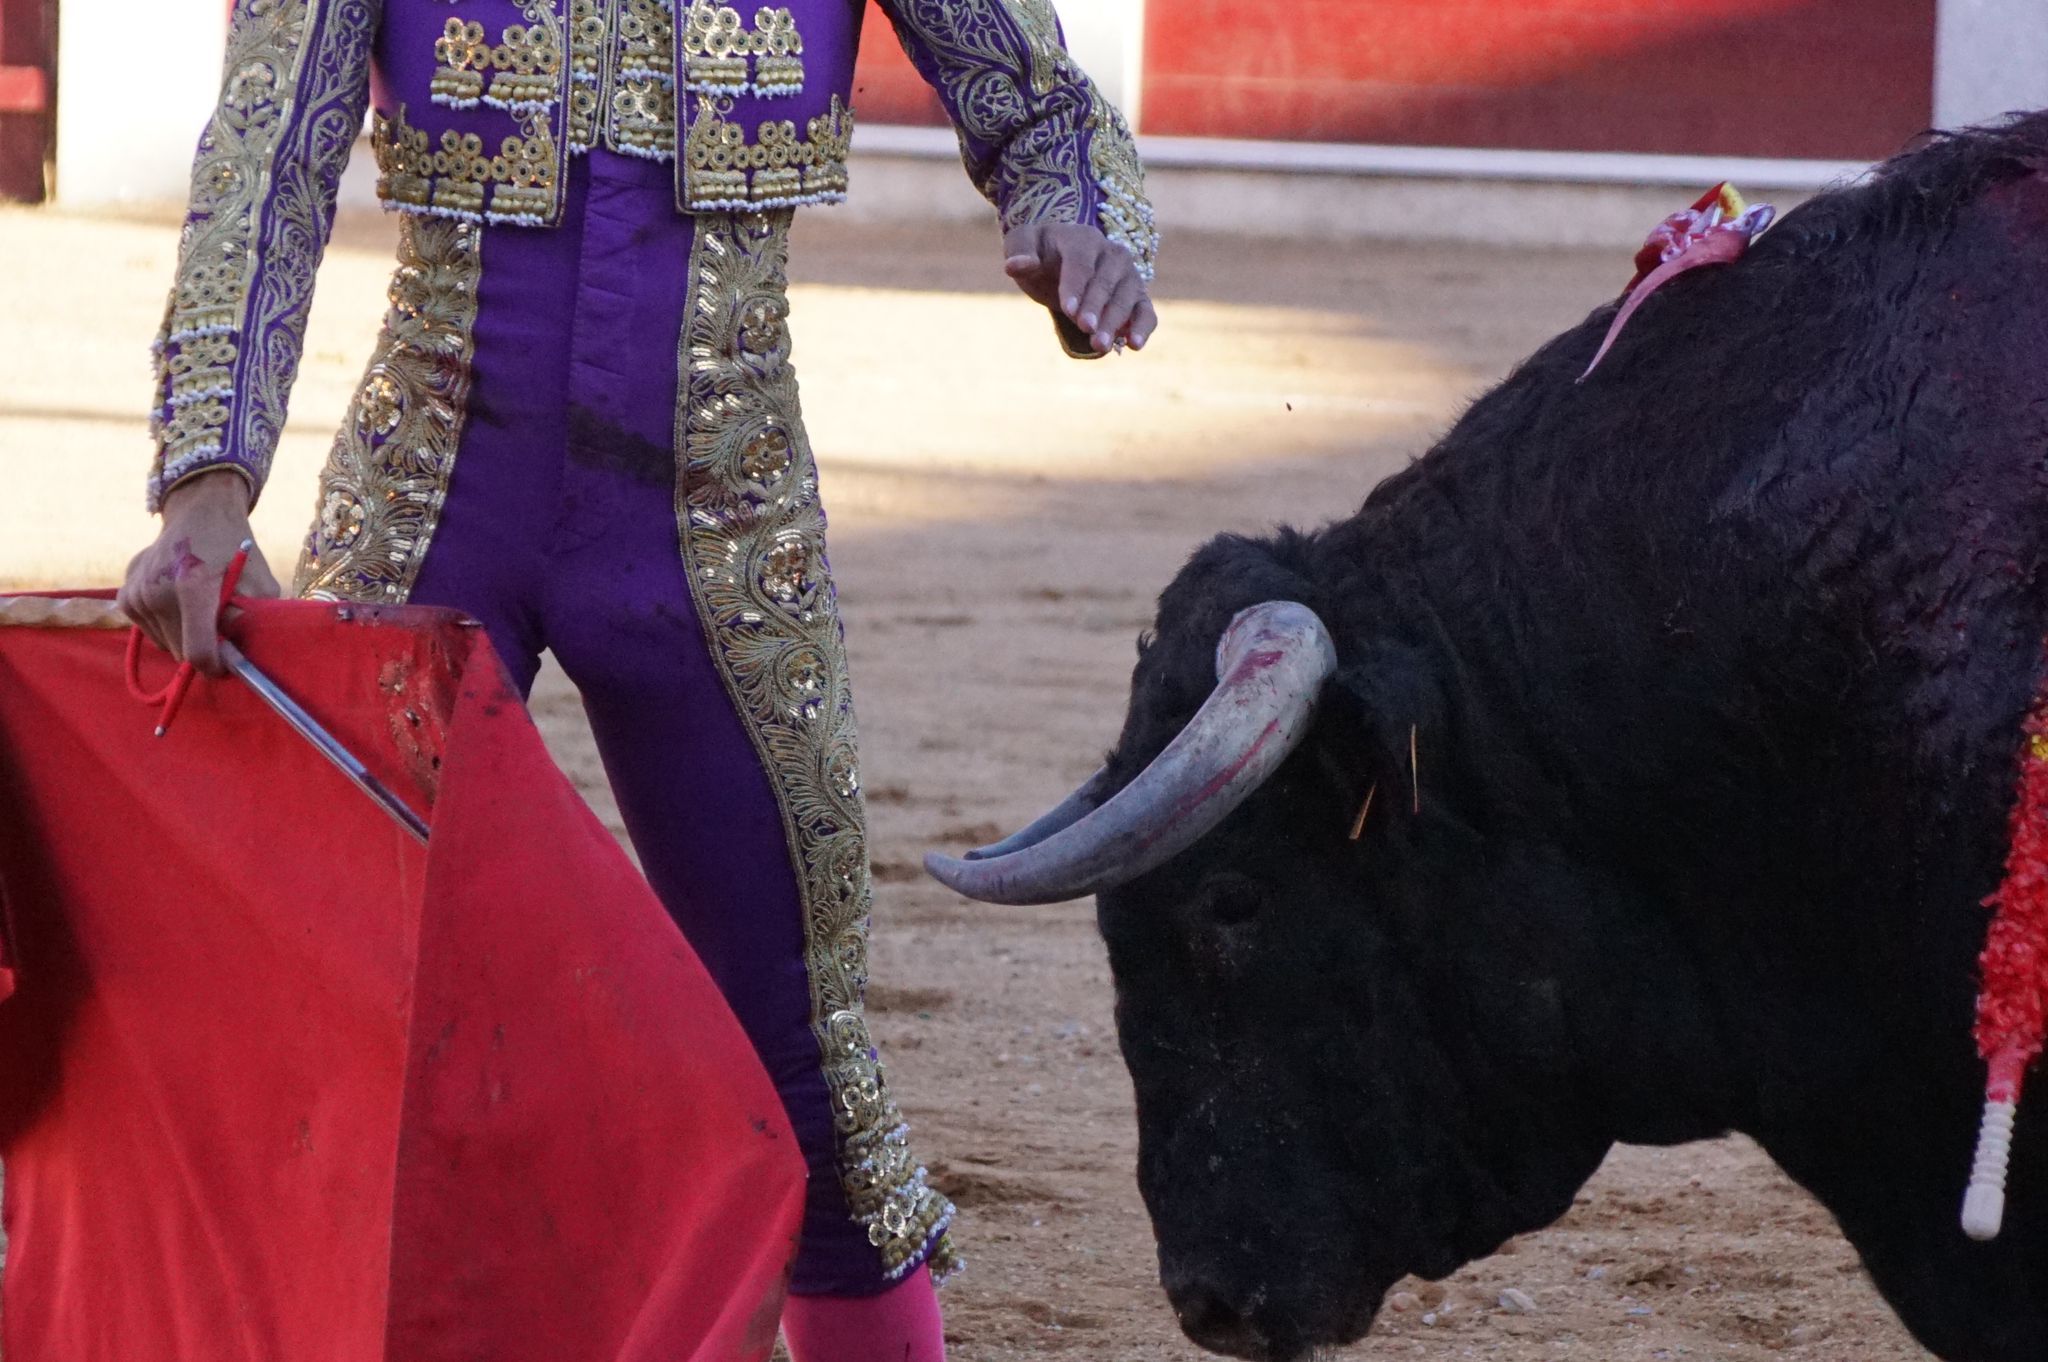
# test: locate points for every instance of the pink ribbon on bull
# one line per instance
(1714, 231)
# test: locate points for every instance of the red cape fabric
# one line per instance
(279, 1084)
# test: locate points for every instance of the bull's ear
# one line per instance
(1376, 701)
(1353, 755)
(1389, 724)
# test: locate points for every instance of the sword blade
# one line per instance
(324, 742)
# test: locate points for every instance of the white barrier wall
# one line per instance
(1990, 57)
(1107, 37)
(136, 82)
(138, 78)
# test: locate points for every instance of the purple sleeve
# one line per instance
(1039, 139)
(262, 205)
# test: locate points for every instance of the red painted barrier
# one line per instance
(28, 51)
(886, 87)
(1835, 79)
(1812, 78)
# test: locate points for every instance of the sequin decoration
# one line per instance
(387, 476)
(724, 172)
(753, 536)
(622, 89)
(263, 187)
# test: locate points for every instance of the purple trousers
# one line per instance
(559, 531)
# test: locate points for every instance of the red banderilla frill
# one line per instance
(1716, 230)
(2012, 1001)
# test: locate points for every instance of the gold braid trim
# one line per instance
(387, 477)
(753, 541)
(60, 612)
(1124, 213)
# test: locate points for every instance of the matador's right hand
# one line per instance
(173, 587)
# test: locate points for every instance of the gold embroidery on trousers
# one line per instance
(386, 478)
(753, 537)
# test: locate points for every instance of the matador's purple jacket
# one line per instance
(616, 387)
(480, 103)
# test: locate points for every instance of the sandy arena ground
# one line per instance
(1003, 520)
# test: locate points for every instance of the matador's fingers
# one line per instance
(1116, 314)
(199, 622)
(1077, 271)
(1113, 264)
(1144, 321)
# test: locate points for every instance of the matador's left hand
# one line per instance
(1080, 274)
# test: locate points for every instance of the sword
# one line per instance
(324, 742)
(80, 612)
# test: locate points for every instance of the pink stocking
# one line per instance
(900, 1325)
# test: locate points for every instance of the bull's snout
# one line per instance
(1265, 1320)
(1211, 1320)
(1224, 1318)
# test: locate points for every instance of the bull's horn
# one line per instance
(1064, 815)
(1270, 668)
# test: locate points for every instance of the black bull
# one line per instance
(1682, 706)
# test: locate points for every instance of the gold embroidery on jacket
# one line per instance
(387, 476)
(523, 70)
(459, 179)
(1041, 28)
(518, 181)
(622, 91)
(723, 171)
(1038, 138)
(297, 75)
(528, 66)
(753, 538)
(643, 99)
(588, 33)
(722, 56)
(1124, 214)
(464, 57)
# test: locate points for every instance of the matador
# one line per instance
(580, 427)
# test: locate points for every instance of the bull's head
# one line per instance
(1309, 1128)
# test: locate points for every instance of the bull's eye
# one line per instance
(1231, 900)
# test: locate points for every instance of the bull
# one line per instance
(1633, 766)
